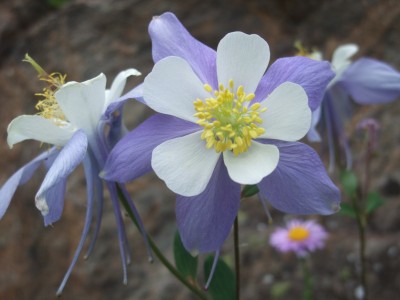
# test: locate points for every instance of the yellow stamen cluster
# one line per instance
(47, 106)
(298, 234)
(229, 124)
(302, 51)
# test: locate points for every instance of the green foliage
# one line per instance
(280, 289)
(223, 285)
(374, 201)
(249, 190)
(184, 261)
(347, 210)
(349, 183)
(56, 3)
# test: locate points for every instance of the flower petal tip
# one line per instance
(194, 252)
(41, 205)
(103, 175)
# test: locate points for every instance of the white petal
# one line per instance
(288, 116)
(242, 58)
(185, 164)
(341, 56)
(83, 103)
(172, 87)
(252, 166)
(37, 128)
(118, 85)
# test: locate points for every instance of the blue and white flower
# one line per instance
(222, 122)
(71, 119)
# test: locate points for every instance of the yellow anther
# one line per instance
(250, 97)
(240, 91)
(229, 123)
(255, 106)
(208, 88)
(47, 106)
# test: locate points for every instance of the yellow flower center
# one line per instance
(47, 106)
(229, 123)
(298, 234)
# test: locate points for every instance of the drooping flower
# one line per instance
(71, 119)
(366, 81)
(221, 123)
(299, 237)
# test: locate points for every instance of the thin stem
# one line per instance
(237, 254)
(308, 282)
(361, 224)
(159, 254)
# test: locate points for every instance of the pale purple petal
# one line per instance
(300, 184)
(204, 221)
(54, 196)
(369, 81)
(55, 202)
(312, 75)
(69, 158)
(19, 178)
(313, 134)
(99, 199)
(131, 156)
(170, 38)
(337, 110)
(280, 238)
(89, 175)
(122, 238)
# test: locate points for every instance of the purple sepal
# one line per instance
(19, 178)
(170, 38)
(300, 184)
(204, 221)
(369, 81)
(312, 75)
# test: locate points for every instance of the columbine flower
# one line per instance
(366, 81)
(219, 125)
(71, 118)
(300, 237)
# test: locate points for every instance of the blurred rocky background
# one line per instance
(83, 38)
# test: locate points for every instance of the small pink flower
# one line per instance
(300, 237)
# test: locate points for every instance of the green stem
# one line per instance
(159, 255)
(237, 258)
(308, 281)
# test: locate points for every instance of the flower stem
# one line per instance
(361, 224)
(237, 258)
(308, 281)
(159, 254)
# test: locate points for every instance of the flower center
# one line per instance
(229, 123)
(298, 234)
(47, 106)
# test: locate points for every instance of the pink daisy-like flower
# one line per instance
(300, 237)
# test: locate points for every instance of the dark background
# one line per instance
(83, 38)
